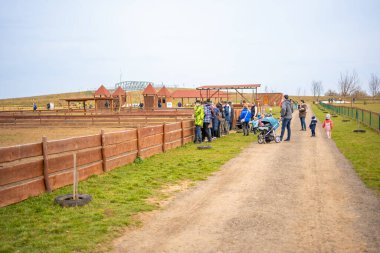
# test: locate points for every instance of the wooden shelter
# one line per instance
(164, 96)
(196, 94)
(119, 98)
(150, 97)
(214, 90)
(103, 98)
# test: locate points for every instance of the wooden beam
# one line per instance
(45, 156)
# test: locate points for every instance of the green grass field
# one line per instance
(362, 149)
(373, 107)
(37, 225)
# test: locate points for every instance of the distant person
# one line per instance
(222, 120)
(207, 121)
(270, 113)
(179, 104)
(198, 116)
(253, 110)
(313, 125)
(227, 113)
(244, 118)
(215, 122)
(232, 113)
(34, 106)
(302, 115)
(141, 105)
(328, 126)
(286, 115)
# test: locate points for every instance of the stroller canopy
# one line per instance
(272, 121)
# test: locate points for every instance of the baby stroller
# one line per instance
(267, 132)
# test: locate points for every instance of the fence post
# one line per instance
(45, 156)
(182, 134)
(75, 177)
(139, 141)
(370, 118)
(104, 158)
(163, 137)
(363, 116)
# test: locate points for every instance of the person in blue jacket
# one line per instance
(245, 117)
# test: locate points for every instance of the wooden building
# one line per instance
(150, 97)
(164, 96)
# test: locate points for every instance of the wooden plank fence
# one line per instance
(32, 169)
(132, 119)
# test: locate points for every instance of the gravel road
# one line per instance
(301, 196)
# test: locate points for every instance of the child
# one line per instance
(328, 125)
(313, 125)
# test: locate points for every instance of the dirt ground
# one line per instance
(300, 196)
(15, 136)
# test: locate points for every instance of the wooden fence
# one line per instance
(31, 169)
(134, 119)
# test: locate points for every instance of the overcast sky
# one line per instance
(62, 46)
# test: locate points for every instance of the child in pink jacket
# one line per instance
(328, 125)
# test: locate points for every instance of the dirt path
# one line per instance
(301, 196)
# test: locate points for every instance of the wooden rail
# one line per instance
(31, 169)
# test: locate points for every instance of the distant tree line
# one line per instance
(348, 86)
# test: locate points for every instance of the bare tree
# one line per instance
(348, 83)
(331, 93)
(320, 89)
(359, 93)
(374, 85)
(316, 88)
(298, 91)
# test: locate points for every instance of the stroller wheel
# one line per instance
(260, 139)
(277, 139)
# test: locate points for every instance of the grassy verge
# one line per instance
(37, 225)
(362, 149)
(374, 107)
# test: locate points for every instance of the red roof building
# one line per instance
(149, 90)
(164, 92)
(196, 94)
(102, 91)
(119, 92)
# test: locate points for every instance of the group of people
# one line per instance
(286, 115)
(212, 121)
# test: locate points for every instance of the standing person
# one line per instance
(227, 111)
(222, 119)
(232, 114)
(253, 110)
(207, 121)
(215, 122)
(244, 118)
(226, 117)
(286, 115)
(198, 116)
(34, 106)
(302, 115)
(328, 125)
(313, 125)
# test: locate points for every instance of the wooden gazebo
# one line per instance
(119, 98)
(164, 96)
(103, 98)
(150, 97)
